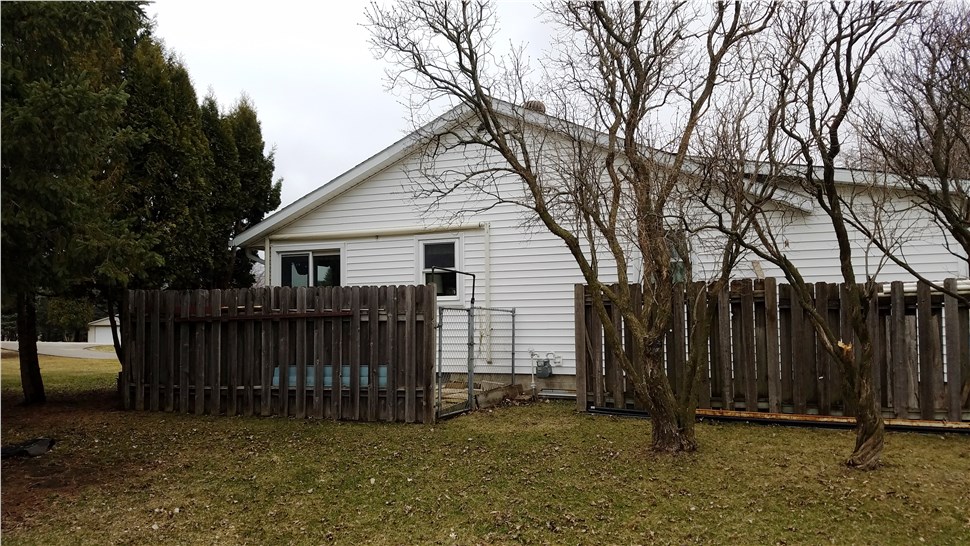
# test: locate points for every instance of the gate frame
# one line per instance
(470, 356)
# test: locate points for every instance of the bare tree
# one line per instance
(818, 61)
(626, 91)
(917, 129)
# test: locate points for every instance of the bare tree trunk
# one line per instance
(33, 383)
(115, 337)
(672, 425)
(870, 428)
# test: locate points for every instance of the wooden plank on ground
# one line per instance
(410, 370)
(954, 375)
(579, 335)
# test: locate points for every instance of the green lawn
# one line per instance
(537, 474)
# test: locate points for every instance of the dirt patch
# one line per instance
(75, 463)
(4, 353)
(29, 485)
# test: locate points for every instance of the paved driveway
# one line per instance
(65, 349)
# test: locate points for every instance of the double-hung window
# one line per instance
(440, 254)
(310, 269)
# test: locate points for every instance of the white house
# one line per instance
(370, 227)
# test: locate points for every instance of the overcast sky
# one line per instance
(308, 69)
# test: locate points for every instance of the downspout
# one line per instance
(487, 266)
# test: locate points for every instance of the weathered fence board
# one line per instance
(763, 353)
(361, 353)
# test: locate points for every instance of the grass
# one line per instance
(535, 474)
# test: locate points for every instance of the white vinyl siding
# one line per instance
(530, 269)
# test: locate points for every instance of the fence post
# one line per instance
(126, 345)
(900, 375)
(139, 360)
(373, 371)
(185, 363)
(232, 356)
(441, 316)
(954, 377)
(513, 346)
(771, 346)
(579, 312)
(215, 399)
(410, 369)
(471, 357)
(427, 352)
(930, 368)
(170, 355)
(724, 347)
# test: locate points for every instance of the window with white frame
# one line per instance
(435, 254)
(310, 269)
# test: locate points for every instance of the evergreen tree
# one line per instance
(242, 177)
(167, 192)
(63, 101)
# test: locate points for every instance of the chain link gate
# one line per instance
(476, 354)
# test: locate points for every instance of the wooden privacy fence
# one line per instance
(764, 354)
(358, 353)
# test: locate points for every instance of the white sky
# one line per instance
(319, 93)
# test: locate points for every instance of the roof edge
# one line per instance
(348, 179)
